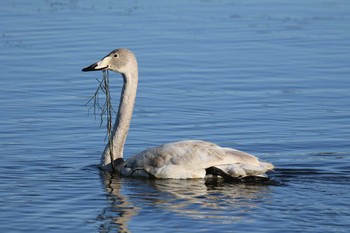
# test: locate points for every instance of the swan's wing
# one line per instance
(190, 159)
(248, 165)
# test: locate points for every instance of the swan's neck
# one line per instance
(122, 122)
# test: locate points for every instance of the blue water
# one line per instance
(267, 77)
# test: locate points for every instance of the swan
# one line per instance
(187, 159)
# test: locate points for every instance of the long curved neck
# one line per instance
(122, 122)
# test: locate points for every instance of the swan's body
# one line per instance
(191, 159)
(179, 160)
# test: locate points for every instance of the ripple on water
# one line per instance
(270, 79)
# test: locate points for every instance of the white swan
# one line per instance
(179, 160)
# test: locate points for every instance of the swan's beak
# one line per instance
(100, 65)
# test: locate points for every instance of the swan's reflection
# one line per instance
(194, 199)
(121, 210)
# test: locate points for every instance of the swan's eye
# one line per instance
(116, 55)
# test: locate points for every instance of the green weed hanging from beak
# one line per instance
(105, 109)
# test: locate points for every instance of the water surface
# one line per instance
(267, 77)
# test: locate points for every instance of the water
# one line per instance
(267, 77)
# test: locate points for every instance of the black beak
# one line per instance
(100, 65)
(94, 67)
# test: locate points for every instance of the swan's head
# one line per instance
(119, 60)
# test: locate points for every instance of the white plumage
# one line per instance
(188, 159)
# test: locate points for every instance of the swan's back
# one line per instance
(192, 159)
